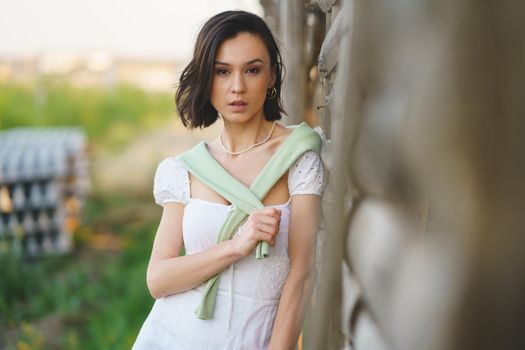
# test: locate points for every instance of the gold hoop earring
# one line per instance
(271, 93)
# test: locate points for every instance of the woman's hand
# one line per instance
(261, 225)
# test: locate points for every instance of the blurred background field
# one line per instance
(96, 296)
(112, 116)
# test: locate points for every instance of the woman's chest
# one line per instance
(277, 195)
(202, 222)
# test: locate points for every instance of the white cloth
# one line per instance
(248, 298)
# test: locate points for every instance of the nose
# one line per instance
(237, 83)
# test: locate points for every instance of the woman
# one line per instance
(235, 75)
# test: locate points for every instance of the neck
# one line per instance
(239, 136)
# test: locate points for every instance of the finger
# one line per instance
(270, 229)
(267, 219)
(267, 237)
(279, 216)
(271, 211)
(275, 213)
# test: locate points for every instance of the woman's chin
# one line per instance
(239, 117)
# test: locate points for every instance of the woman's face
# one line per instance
(241, 77)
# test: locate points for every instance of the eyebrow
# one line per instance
(249, 62)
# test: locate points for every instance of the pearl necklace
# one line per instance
(246, 149)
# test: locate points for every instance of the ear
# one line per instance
(272, 76)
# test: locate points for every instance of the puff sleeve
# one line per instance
(171, 182)
(306, 175)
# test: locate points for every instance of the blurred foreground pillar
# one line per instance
(424, 211)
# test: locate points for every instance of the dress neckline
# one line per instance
(279, 149)
(286, 204)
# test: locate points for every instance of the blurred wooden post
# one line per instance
(291, 26)
(424, 207)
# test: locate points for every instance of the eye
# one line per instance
(221, 71)
(253, 70)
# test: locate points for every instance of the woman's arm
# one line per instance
(297, 290)
(169, 273)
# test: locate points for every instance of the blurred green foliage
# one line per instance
(111, 116)
(98, 298)
(95, 297)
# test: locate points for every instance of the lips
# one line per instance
(238, 103)
(238, 106)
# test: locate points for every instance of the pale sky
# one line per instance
(138, 28)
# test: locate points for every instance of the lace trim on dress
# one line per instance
(275, 270)
(171, 182)
(306, 175)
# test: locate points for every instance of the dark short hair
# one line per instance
(194, 89)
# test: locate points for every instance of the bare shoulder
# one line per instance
(280, 134)
(282, 130)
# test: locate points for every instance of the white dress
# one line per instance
(249, 290)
